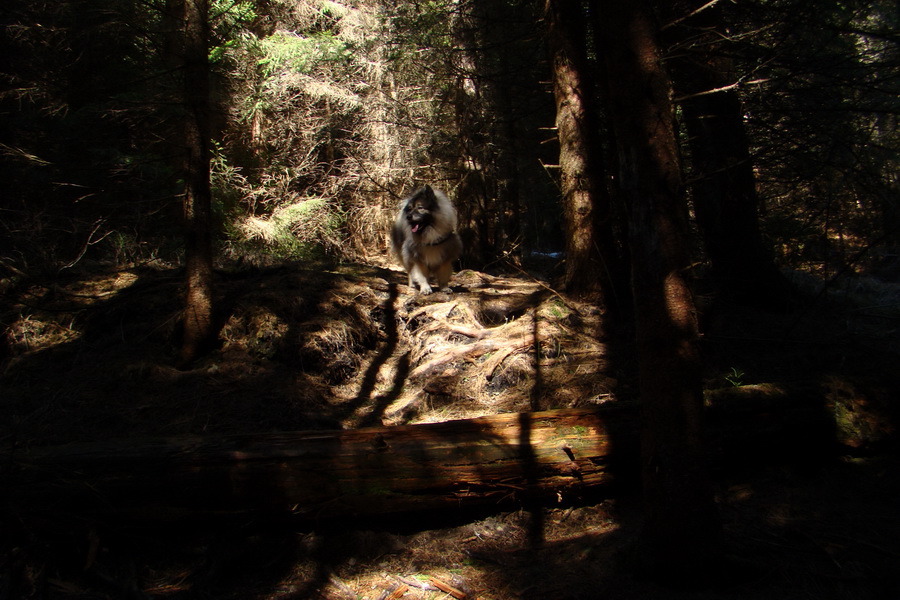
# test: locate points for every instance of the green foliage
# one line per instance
(228, 15)
(287, 51)
(293, 228)
(227, 184)
(558, 309)
(305, 229)
(735, 377)
(426, 24)
(227, 18)
(353, 102)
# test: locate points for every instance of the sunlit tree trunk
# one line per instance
(681, 532)
(198, 310)
(591, 261)
(724, 188)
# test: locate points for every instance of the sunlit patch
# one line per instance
(31, 334)
(40, 330)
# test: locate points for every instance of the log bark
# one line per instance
(321, 474)
(495, 460)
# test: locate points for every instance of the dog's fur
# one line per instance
(424, 239)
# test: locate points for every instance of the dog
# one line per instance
(424, 239)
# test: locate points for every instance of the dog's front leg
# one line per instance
(419, 279)
(443, 276)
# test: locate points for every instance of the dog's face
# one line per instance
(419, 209)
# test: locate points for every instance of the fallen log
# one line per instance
(321, 474)
(557, 454)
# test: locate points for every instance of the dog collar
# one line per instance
(442, 240)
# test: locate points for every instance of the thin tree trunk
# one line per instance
(198, 312)
(495, 220)
(681, 535)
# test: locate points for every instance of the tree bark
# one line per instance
(198, 312)
(724, 188)
(681, 535)
(592, 264)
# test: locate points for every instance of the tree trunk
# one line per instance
(198, 311)
(724, 188)
(681, 536)
(591, 260)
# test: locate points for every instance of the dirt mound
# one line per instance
(299, 348)
(378, 354)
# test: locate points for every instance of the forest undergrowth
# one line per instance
(91, 358)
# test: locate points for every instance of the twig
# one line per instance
(724, 88)
(422, 585)
(446, 587)
(689, 15)
(99, 223)
(395, 594)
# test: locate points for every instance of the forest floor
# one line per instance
(91, 358)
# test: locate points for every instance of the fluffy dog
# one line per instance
(424, 239)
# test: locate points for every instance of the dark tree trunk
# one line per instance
(724, 188)
(507, 176)
(198, 312)
(681, 536)
(592, 264)
(725, 203)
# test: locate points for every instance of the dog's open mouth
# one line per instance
(415, 227)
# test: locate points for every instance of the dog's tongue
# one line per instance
(416, 227)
